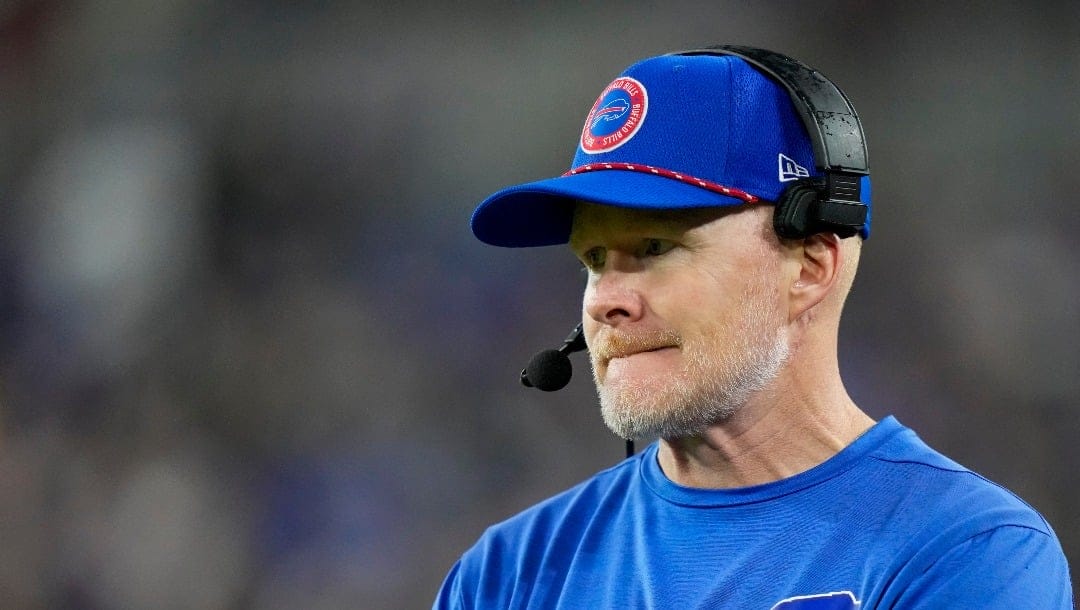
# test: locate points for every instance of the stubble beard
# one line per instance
(726, 365)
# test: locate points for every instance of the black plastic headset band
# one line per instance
(830, 119)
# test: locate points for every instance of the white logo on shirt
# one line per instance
(837, 600)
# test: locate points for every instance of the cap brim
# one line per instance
(541, 213)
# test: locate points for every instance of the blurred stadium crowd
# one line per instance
(250, 355)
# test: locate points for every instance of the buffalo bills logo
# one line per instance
(610, 111)
(615, 117)
(840, 600)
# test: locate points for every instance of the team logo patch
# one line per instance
(839, 600)
(616, 116)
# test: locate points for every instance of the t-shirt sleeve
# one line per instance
(450, 597)
(1007, 568)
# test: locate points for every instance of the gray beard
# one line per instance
(710, 390)
(724, 367)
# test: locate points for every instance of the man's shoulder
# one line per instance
(505, 562)
(941, 486)
(572, 506)
(958, 538)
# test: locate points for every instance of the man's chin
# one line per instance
(666, 407)
(638, 413)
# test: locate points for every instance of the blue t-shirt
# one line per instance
(886, 523)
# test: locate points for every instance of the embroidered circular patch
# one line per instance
(615, 117)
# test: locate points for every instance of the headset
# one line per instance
(827, 204)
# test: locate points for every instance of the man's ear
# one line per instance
(819, 259)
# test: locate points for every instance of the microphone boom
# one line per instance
(551, 370)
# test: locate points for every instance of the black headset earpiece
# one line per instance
(793, 217)
(830, 203)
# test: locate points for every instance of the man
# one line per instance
(711, 319)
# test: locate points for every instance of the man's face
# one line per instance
(682, 313)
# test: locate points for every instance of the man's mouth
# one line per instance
(628, 353)
(625, 346)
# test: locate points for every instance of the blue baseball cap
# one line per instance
(671, 132)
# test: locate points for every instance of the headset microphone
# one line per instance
(551, 370)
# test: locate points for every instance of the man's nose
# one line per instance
(614, 297)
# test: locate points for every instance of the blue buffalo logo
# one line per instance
(840, 600)
(612, 110)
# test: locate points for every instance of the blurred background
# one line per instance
(251, 356)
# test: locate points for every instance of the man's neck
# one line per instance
(767, 440)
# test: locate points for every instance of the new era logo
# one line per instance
(790, 170)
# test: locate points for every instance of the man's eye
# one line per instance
(594, 258)
(656, 247)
